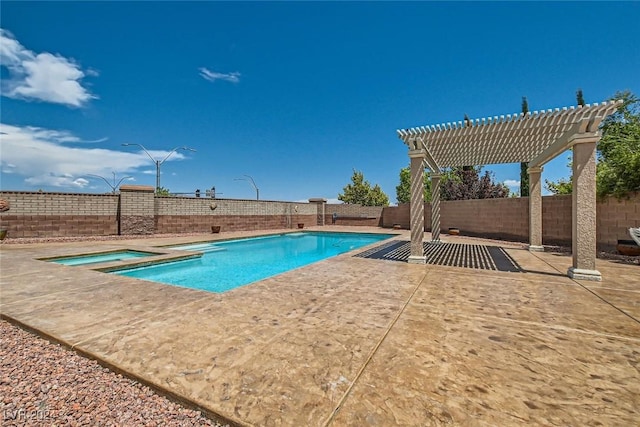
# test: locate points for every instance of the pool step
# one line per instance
(212, 249)
(201, 248)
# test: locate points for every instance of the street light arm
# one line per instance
(173, 151)
(126, 144)
(120, 182)
(252, 182)
(113, 188)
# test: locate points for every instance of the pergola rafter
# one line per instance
(503, 139)
(534, 138)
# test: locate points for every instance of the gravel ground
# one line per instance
(44, 384)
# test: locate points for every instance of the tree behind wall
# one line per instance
(618, 169)
(524, 174)
(463, 183)
(403, 190)
(580, 98)
(360, 192)
(618, 172)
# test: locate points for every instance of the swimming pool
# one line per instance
(229, 264)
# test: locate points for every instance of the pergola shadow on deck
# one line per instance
(534, 138)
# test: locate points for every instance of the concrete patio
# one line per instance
(351, 341)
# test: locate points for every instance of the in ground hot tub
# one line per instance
(100, 257)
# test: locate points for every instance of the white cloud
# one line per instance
(41, 156)
(512, 183)
(213, 75)
(57, 181)
(41, 76)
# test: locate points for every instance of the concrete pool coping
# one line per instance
(353, 341)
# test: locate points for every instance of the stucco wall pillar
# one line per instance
(535, 210)
(435, 208)
(320, 208)
(417, 157)
(583, 218)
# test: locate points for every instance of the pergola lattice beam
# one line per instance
(503, 139)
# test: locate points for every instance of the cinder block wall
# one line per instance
(354, 215)
(400, 215)
(187, 214)
(497, 218)
(556, 220)
(509, 218)
(34, 214)
(615, 217)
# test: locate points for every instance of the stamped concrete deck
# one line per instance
(351, 341)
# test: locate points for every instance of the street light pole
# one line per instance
(157, 162)
(253, 183)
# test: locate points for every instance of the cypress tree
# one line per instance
(524, 176)
(580, 98)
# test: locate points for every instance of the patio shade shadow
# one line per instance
(447, 254)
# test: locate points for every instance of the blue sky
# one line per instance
(295, 95)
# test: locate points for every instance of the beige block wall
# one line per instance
(354, 215)
(556, 220)
(615, 217)
(36, 214)
(188, 214)
(67, 204)
(499, 218)
(508, 218)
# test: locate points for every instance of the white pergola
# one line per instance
(534, 138)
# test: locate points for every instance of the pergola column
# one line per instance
(535, 210)
(435, 208)
(417, 157)
(583, 210)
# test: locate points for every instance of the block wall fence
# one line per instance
(508, 218)
(136, 210)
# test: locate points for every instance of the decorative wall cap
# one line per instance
(139, 188)
(317, 200)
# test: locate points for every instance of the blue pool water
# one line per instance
(229, 264)
(101, 257)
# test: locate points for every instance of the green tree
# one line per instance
(562, 186)
(377, 197)
(161, 191)
(618, 169)
(360, 192)
(403, 190)
(618, 172)
(524, 175)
